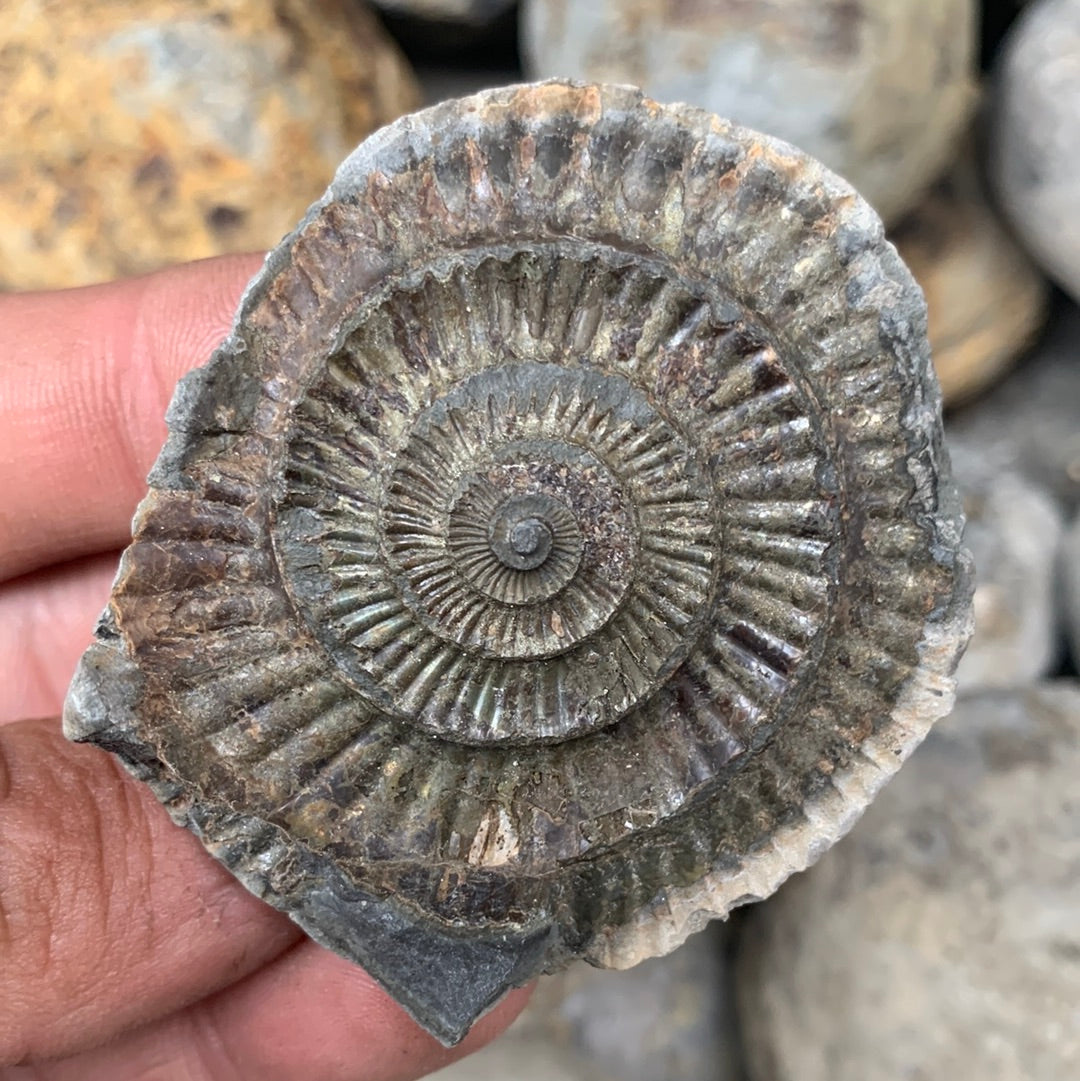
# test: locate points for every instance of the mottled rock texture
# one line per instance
(940, 939)
(879, 90)
(1013, 529)
(1030, 422)
(1035, 154)
(137, 135)
(559, 551)
(670, 1018)
(986, 299)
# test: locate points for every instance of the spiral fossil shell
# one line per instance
(559, 552)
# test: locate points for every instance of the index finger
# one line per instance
(85, 376)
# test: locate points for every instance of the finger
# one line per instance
(46, 621)
(85, 376)
(110, 916)
(310, 1016)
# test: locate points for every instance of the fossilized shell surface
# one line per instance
(559, 551)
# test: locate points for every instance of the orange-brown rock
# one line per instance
(986, 299)
(140, 134)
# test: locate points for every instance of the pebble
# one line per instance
(879, 90)
(941, 939)
(1030, 421)
(1013, 530)
(471, 12)
(986, 300)
(1035, 155)
(141, 135)
(1070, 568)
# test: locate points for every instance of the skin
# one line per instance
(125, 951)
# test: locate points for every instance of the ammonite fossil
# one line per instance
(559, 552)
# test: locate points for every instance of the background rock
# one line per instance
(141, 135)
(986, 299)
(1030, 422)
(668, 1019)
(476, 12)
(997, 16)
(466, 35)
(1035, 154)
(1013, 530)
(940, 939)
(877, 89)
(1070, 567)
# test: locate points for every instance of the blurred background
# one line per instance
(941, 939)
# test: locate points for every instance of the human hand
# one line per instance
(125, 950)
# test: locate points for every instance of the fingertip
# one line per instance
(85, 380)
(46, 621)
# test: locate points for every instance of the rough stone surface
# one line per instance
(137, 135)
(671, 1018)
(1029, 423)
(986, 300)
(879, 90)
(940, 939)
(1070, 570)
(1035, 155)
(1013, 530)
(559, 551)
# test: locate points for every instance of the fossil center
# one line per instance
(519, 533)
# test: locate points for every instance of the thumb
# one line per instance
(110, 915)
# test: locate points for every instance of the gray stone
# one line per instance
(1035, 155)
(941, 939)
(1030, 422)
(1013, 531)
(671, 1018)
(1070, 568)
(878, 90)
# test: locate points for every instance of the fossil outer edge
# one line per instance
(559, 552)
